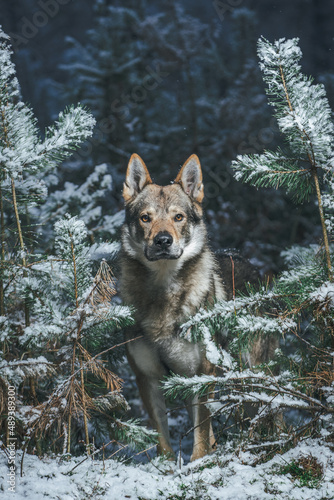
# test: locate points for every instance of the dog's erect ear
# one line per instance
(137, 177)
(190, 177)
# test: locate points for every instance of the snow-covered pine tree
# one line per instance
(24, 155)
(55, 318)
(24, 158)
(305, 118)
(299, 305)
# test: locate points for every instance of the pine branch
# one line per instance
(246, 387)
(275, 170)
(304, 117)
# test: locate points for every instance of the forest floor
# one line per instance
(234, 471)
(305, 472)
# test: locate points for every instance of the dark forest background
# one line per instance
(167, 79)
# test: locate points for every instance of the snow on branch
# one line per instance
(74, 125)
(302, 108)
(273, 169)
(21, 147)
(247, 387)
(9, 85)
(18, 370)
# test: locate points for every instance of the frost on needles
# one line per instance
(298, 307)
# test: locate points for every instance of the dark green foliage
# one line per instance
(306, 470)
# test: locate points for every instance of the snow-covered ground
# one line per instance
(222, 475)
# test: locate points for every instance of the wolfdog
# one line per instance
(167, 273)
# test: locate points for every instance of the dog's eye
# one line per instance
(145, 218)
(178, 217)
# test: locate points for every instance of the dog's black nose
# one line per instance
(163, 240)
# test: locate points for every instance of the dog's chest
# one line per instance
(167, 296)
(162, 309)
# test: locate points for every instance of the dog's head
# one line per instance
(163, 222)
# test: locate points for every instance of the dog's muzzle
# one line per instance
(162, 247)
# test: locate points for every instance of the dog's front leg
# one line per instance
(203, 434)
(150, 371)
(187, 359)
(154, 401)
